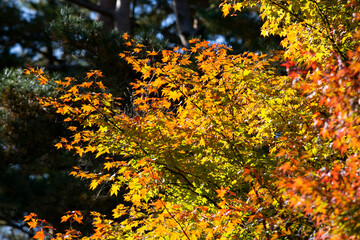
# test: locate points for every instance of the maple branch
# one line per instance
(326, 21)
(183, 176)
(233, 148)
(178, 172)
(116, 127)
(311, 26)
(181, 227)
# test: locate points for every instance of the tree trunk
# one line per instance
(122, 16)
(183, 21)
(106, 19)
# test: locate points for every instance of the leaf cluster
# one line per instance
(220, 145)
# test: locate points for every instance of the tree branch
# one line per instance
(93, 7)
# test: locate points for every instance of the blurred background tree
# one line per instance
(68, 38)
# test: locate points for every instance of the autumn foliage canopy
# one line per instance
(223, 146)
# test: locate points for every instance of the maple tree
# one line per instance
(224, 146)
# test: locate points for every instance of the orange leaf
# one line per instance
(221, 193)
(77, 217)
(87, 108)
(101, 85)
(90, 149)
(39, 235)
(32, 224)
(30, 216)
(43, 80)
(79, 151)
(152, 53)
(65, 218)
(126, 36)
(58, 145)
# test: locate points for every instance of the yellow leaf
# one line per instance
(226, 9)
(64, 110)
(87, 108)
(237, 7)
(94, 183)
(136, 199)
(174, 95)
(202, 142)
(32, 224)
(114, 189)
(90, 149)
(103, 129)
